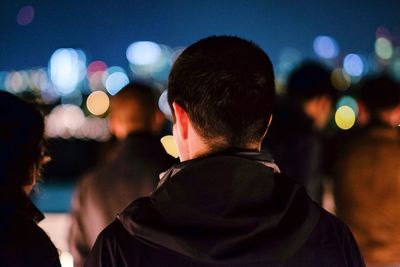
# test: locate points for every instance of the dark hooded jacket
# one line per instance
(227, 209)
(22, 242)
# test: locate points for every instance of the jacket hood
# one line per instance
(232, 207)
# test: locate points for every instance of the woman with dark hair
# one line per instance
(22, 242)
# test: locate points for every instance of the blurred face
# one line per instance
(319, 109)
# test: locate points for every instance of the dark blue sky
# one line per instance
(104, 29)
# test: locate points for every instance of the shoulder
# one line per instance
(27, 238)
(114, 247)
(333, 240)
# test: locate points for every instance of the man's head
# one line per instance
(134, 108)
(381, 97)
(224, 86)
(310, 85)
(21, 143)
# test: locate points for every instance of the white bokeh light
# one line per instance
(67, 69)
(143, 53)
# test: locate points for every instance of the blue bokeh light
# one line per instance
(353, 65)
(116, 80)
(326, 47)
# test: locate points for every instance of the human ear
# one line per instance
(181, 121)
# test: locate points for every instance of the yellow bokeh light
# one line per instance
(345, 117)
(340, 79)
(98, 103)
(170, 145)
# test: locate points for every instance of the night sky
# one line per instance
(104, 29)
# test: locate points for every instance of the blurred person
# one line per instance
(367, 173)
(131, 170)
(295, 139)
(22, 241)
(225, 203)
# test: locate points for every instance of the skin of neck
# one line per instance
(190, 143)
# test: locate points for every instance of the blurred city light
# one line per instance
(98, 103)
(143, 53)
(17, 82)
(345, 117)
(115, 80)
(96, 80)
(37, 79)
(383, 48)
(289, 58)
(164, 105)
(395, 69)
(25, 15)
(74, 98)
(67, 69)
(68, 121)
(382, 32)
(348, 101)
(326, 47)
(170, 145)
(64, 120)
(96, 66)
(3, 76)
(353, 65)
(340, 79)
(157, 69)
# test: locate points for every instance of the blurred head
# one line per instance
(224, 86)
(310, 85)
(21, 143)
(134, 108)
(381, 98)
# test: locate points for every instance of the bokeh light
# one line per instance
(64, 121)
(383, 48)
(98, 103)
(345, 117)
(170, 145)
(164, 105)
(289, 58)
(395, 69)
(3, 76)
(38, 79)
(116, 79)
(17, 82)
(67, 69)
(326, 47)
(25, 15)
(340, 79)
(353, 65)
(143, 53)
(382, 32)
(348, 101)
(74, 98)
(156, 70)
(96, 66)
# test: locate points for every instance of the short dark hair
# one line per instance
(21, 141)
(144, 95)
(308, 80)
(379, 93)
(226, 85)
